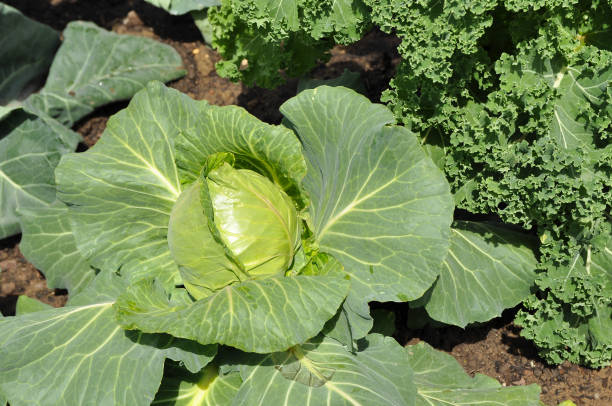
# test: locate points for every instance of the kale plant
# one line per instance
(258, 40)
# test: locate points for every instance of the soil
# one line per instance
(495, 348)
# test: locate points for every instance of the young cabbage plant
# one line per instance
(269, 233)
(207, 229)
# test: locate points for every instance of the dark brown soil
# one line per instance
(494, 348)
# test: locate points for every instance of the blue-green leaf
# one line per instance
(441, 381)
(98, 362)
(26, 53)
(488, 269)
(94, 67)
(30, 149)
(324, 372)
(260, 316)
(48, 242)
(178, 7)
(122, 190)
(206, 388)
(26, 304)
(378, 203)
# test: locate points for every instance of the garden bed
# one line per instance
(495, 348)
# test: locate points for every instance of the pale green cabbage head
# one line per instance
(229, 226)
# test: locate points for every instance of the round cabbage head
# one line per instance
(229, 226)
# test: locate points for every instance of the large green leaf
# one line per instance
(257, 316)
(122, 190)
(26, 51)
(441, 381)
(94, 67)
(48, 243)
(349, 324)
(348, 78)
(378, 203)
(6, 110)
(323, 372)
(30, 148)
(178, 7)
(207, 388)
(270, 150)
(488, 269)
(79, 354)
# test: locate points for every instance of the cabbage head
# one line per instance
(232, 225)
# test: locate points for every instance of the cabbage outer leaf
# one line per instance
(26, 304)
(323, 372)
(206, 388)
(488, 269)
(441, 381)
(48, 243)
(265, 315)
(30, 149)
(26, 53)
(378, 203)
(121, 190)
(178, 7)
(94, 67)
(101, 364)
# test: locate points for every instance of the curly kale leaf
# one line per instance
(434, 33)
(526, 136)
(260, 38)
(341, 19)
(535, 148)
(251, 57)
(574, 318)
